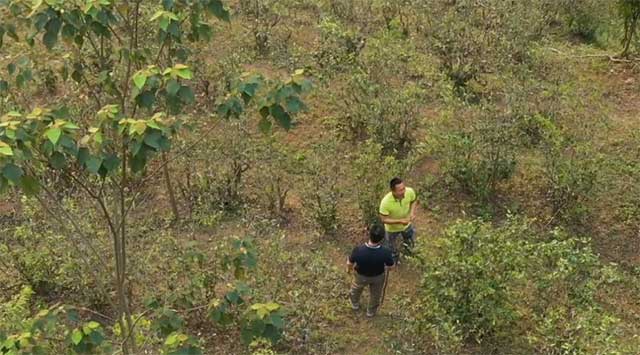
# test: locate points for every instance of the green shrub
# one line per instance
(485, 280)
(572, 172)
(323, 187)
(179, 343)
(474, 39)
(387, 116)
(569, 317)
(219, 181)
(478, 157)
(263, 320)
(339, 47)
(372, 171)
(468, 292)
(41, 256)
(276, 177)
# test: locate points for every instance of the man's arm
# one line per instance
(388, 220)
(350, 265)
(384, 216)
(389, 264)
(351, 260)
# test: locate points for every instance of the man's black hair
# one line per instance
(395, 182)
(376, 233)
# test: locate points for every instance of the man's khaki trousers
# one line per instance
(375, 283)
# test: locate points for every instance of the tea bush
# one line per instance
(476, 158)
(372, 171)
(324, 187)
(387, 116)
(486, 279)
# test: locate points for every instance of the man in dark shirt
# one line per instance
(370, 262)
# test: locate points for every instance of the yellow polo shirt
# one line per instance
(397, 209)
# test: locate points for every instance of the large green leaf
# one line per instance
(76, 336)
(58, 161)
(139, 79)
(52, 29)
(167, 4)
(294, 104)
(216, 7)
(186, 95)
(152, 139)
(111, 162)
(183, 71)
(12, 173)
(94, 164)
(173, 87)
(54, 134)
(5, 149)
(146, 99)
(277, 321)
(281, 116)
(83, 155)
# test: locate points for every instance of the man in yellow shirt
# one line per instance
(397, 212)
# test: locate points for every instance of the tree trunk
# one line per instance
(172, 196)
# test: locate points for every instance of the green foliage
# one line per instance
(478, 157)
(181, 344)
(242, 257)
(586, 18)
(572, 171)
(42, 333)
(629, 10)
(263, 321)
(277, 176)
(280, 100)
(42, 257)
(488, 278)
(16, 310)
(387, 116)
(340, 47)
(470, 288)
(372, 171)
(87, 339)
(38, 265)
(167, 321)
(322, 190)
(265, 15)
(474, 38)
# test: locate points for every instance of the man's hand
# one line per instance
(350, 266)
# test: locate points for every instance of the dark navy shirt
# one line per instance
(369, 260)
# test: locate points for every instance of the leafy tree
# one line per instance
(129, 93)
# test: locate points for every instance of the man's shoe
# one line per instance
(370, 314)
(355, 307)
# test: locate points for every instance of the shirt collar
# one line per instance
(371, 246)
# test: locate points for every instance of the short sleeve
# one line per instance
(352, 257)
(389, 259)
(384, 210)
